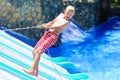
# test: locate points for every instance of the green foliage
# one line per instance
(115, 2)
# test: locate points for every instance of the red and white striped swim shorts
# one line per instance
(46, 41)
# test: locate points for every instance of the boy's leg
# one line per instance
(34, 69)
(45, 42)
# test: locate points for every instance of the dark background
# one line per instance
(24, 13)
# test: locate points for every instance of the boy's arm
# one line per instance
(48, 24)
(57, 26)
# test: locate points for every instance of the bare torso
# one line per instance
(59, 20)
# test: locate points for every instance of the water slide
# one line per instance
(95, 53)
(16, 54)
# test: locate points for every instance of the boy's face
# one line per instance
(68, 14)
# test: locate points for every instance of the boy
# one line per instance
(54, 28)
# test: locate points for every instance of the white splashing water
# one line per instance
(100, 58)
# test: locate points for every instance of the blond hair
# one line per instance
(70, 8)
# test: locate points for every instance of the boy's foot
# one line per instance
(30, 72)
(36, 73)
